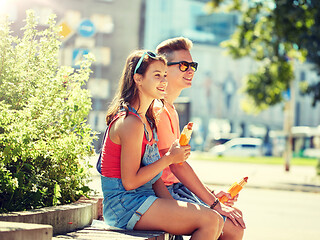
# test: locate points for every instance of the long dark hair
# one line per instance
(127, 91)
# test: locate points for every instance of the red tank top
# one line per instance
(111, 152)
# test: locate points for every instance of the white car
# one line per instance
(244, 147)
(312, 153)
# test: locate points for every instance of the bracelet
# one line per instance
(215, 203)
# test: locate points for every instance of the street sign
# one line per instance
(286, 94)
(77, 56)
(66, 30)
(86, 28)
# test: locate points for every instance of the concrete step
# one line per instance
(25, 231)
(93, 233)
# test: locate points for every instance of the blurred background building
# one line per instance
(111, 29)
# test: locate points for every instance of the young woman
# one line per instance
(134, 197)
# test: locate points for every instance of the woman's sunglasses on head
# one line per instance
(184, 66)
(150, 54)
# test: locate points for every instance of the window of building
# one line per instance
(104, 0)
(103, 23)
(302, 76)
(43, 14)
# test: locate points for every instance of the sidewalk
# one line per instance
(299, 178)
(220, 175)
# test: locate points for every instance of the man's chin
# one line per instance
(188, 84)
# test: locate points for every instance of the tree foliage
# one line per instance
(43, 131)
(275, 33)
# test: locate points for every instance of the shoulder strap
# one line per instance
(134, 112)
(98, 166)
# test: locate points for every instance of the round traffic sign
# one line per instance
(86, 28)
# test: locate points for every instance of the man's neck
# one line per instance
(172, 95)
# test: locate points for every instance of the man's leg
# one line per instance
(231, 231)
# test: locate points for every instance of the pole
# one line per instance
(288, 124)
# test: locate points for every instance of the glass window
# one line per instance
(302, 76)
(103, 23)
(43, 13)
(248, 146)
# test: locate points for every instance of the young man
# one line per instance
(180, 179)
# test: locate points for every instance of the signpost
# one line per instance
(288, 124)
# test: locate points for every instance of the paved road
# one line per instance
(280, 215)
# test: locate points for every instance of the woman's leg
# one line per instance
(231, 231)
(182, 218)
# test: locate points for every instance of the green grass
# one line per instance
(258, 160)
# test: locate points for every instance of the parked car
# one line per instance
(246, 147)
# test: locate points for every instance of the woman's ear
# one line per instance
(137, 78)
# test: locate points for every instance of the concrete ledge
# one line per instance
(63, 219)
(24, 231)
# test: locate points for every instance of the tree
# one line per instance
(44, 135)
(275, 33)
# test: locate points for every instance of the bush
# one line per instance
(44, 136)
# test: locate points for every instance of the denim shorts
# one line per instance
(182, 193)
(121, 208)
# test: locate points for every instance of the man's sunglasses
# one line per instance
(184, 66)
(150, 54)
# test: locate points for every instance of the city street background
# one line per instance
(276, 204)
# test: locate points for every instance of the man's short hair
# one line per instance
(167, 47)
